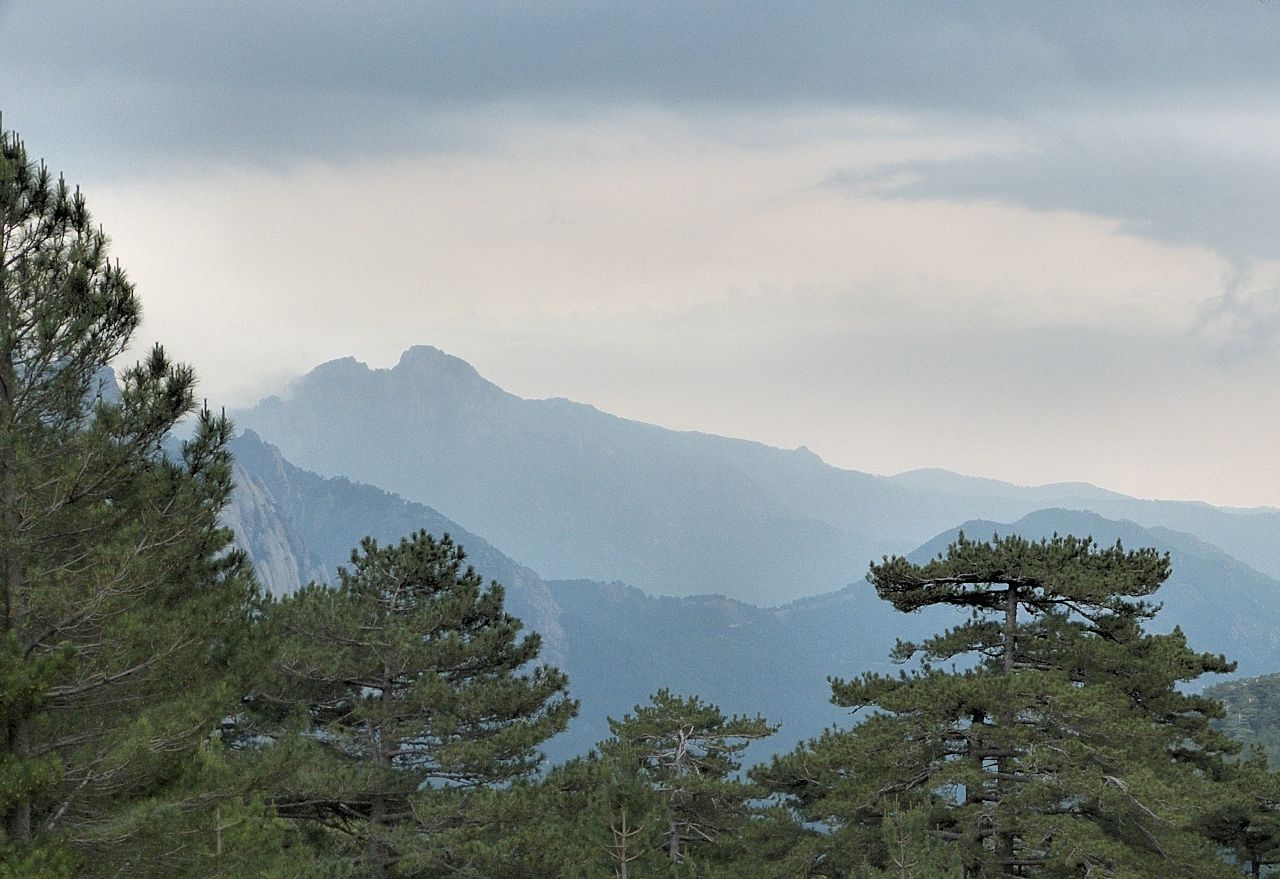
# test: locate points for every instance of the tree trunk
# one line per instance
(17, 821)
(1005, 837)
(379, 854)
(379, 860)
(620, 849)
(1010, 628)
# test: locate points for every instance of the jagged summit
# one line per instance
(422, 372)
(808, 454)
(340, 366)
(429, 362)
(419, 360)
(419, 356)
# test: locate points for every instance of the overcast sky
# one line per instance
(1032, 241)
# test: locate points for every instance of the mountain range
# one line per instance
(577, 493)
(619, 642)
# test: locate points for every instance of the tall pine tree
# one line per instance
(120, 599)
(689, 752)
(410, 684)
(1063, 749)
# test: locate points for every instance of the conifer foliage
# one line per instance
(660, 797)
(689, 753)
(1064, 749)
(410, 682)
(120, 598)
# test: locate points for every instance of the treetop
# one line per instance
(1052, 571)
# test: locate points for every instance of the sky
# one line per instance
(1036, 242)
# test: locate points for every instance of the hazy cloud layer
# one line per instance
(262, 80)
(1190, 173)
(1036, 242)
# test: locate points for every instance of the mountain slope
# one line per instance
(298, 527)
(578, 493)
(619, 644)
(574, 491)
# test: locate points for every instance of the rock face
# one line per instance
(577, 493)
(261, 516)
(300, 527)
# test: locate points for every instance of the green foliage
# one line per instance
(123, 607)
(47, 859)
(1244, 817)
(1251, 711)
(689, 752)
(405, 686)
(613, 812)
(1064, 749)
(909, 850)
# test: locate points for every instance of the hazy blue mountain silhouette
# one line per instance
(619, 643)
(577, 493)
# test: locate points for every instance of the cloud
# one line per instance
(650, 210)
(272, 82)
(1022, 241)
(1243, 323)
(1181, 174)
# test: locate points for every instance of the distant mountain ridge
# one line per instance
(937, 479)
(577, 493)
(619, 643)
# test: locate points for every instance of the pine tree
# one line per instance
(615, 811)
(121, 602)
(586, 819)
(908, 850)
(1245, 816)
(1063, 748)
(689, 752)
(411, 685)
